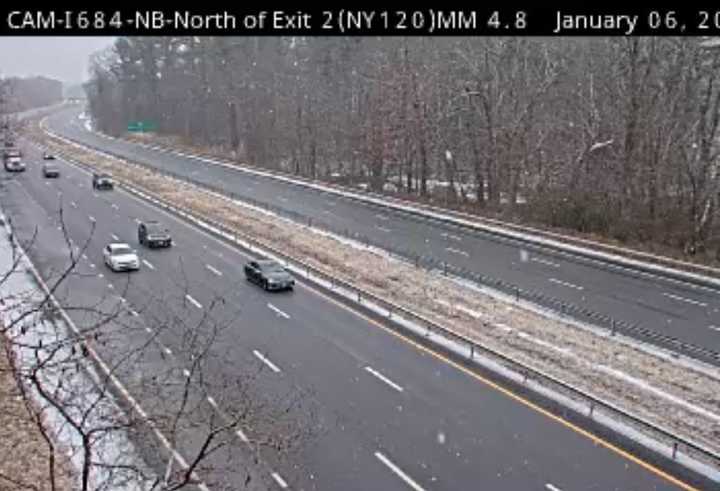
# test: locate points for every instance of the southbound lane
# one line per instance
(387, 413)
(683, 311)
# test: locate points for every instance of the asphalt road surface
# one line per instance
(683, 311)
(383, 413)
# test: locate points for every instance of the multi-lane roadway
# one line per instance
(380, 411)
(683, 311)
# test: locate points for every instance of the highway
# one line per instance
(386, 414)
(687, 312)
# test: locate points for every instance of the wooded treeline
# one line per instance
(614, 136)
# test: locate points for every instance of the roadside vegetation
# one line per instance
(612, 139)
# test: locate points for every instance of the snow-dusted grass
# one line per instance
(672, 394)
(77, 389)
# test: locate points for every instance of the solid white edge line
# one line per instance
(213, 270)
(398, 472)
(193, 301)
(550, 487)
(279, 480)
(111, 375)
(194, 222)
(383, 378)
(263, 359)
(146, 263)
(115, 237)
(714, 328)
(278, 311)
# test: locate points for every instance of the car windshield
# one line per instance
(121, 250)
(155, 228)
(272, 267)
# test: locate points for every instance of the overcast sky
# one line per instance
(61, 58)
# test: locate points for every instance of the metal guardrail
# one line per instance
(675, 444)
(683, 267)
(429, 263)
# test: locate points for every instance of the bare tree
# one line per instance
(109, 385)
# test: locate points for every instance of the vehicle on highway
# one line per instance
(14, 163)
(48, 156)
(102, 181)
(269, 274)
(119, 256)
(11, 152)
(50, 170)
(152, 233)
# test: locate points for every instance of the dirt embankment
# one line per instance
(24, 453)
(657, 389)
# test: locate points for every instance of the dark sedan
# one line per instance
(269, 274)
(50, 170)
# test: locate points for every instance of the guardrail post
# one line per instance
(472, 350)
(359, 299)
(517, 294)
(675, 449)
(309, 221)
(445, 268)
(592, 408)
(613, 327)
(417, 260)
(525, 376)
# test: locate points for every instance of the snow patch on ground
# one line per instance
(458, 306)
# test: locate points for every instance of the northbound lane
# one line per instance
(682, 311)
(389, 415)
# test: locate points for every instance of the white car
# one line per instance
(119, 256)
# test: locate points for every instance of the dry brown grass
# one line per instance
(442, 300)
(24, 453)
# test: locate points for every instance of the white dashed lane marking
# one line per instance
(398, 472)
(279, 480)
(383, 378)
(686, 300)
(566, 284)
(193, 301)
(263, 359)
(278, 311)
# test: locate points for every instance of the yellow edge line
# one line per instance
(514, 396)
(506, 392)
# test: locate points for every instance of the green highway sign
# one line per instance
(141, 126)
